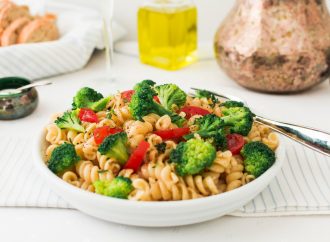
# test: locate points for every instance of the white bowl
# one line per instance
(154, 214)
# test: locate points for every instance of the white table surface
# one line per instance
(33, 224)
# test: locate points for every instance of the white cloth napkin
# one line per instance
(81, 32)
(302, 186)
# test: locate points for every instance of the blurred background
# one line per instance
(211, 13)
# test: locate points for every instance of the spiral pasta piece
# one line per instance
(263, 130)
(87, 186)
(141, 190)
(165, 123)
(108, 164)
(152, 119)
(234, 180)
(138, 127)
(55, 135)
(221, 162)
(90, 149)
(116, 101)
(271, 141)
(89, 130)
(120, 115)
(235, 173)
(136, 132)
(247, 178)
(217, 110)
(203, 185)
(199, 102)
(91, 173)
(254, 134)
(154, 140)
(71, 178)
(160, 172)
(101, 115)
(159, 191)
(128, 173)
(49, 151)
(75, 138)
(106, 122)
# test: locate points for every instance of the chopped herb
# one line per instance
(161, 147)
(208, 95)
(102, 171)
(109, 114)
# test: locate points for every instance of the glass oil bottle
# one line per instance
(167, 33)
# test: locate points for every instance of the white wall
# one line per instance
(211, 13)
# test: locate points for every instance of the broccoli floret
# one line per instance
(211, 128)
(171, 96)
(119, 187)
(100, 105)
(258, 157)
(192, 157)
(240, 119)
(232, 104)
(220, 140)
(142, 103)
(208, 95)
(89, 98)
(69, 120)
(114, 146)
(62, 158)
(208, 126)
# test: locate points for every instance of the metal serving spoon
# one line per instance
(20, 89)
(312, 138)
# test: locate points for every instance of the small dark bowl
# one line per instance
(14, 106)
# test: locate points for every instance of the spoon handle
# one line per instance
(35, 84)
(313, 138)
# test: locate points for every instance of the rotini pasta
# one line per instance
(203, 185)
(199, 102)
(159, 191)
(107, 164)
(55, 135)
(165, 123)
(91, 173)
(149, 151)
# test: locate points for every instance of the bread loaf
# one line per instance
(17, 26)
(10, 35)
(39, 30)
(9, 12)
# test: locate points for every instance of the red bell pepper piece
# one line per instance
(193, 110)
(127, 95)
(101, 133)
(172, 133)
(235, 143)
(88, 115)
(135, 160)
(156, 99)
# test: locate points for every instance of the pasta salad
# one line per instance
(157, 143)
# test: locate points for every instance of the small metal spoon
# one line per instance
(312, 138)
(20, 89)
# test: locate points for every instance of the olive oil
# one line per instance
(167, 34)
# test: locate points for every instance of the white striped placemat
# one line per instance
(302, 186)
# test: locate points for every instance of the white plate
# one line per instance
(154, 214)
